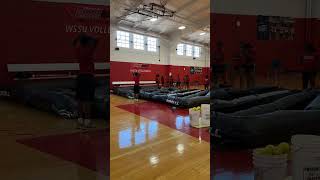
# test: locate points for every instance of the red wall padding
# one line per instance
(225, 30)
(120, 71)
(38, 33)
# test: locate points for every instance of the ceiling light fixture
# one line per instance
(153, 19)
(203, 33)
(182, 27)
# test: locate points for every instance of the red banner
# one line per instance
(88, 13)
(141, 68)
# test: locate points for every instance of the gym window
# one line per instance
(180, 49)
(138, 42)
(123, 39)
(189, 50)
(196, 52)
(152, 44)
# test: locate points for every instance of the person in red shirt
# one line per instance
(218, 65)
(206, 82)
(158, 81)
(309, 62)
(170, 80)
(85, 82)
(136, 87)
(162, 81)
(178, 81)
(236, 67)
(187, 82)
(248, 65)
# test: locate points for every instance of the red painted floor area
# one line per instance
(87, 149)
(225, 165)
(231, 165)
(174, 118)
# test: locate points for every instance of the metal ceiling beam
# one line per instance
(187, 4)
(134, 5)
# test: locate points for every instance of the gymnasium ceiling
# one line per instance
(193, 14)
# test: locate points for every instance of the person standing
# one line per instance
(162, 81)
(170, 80)
(158, 81)
(275, 72)
(310, 66)
(187, 80)
(235, 70)
(206, 82)
(85, 82)
(136, 87)
(178, 81)
(249, 65)
(218, 65)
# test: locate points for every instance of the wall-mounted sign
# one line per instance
(195, 70)
(87, 19)
(87, 29)
(275, 28)
(139, 67)
(88, 13)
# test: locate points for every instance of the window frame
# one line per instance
(138, 44)
(123, 41)
(155, 47)
(189, 52)
(182, 51)
(194, 51)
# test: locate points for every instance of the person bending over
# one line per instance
(85, 82)
(310, 66)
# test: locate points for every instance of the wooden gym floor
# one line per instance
(36, 146)
(151, 141)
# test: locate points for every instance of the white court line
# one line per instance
(132, 82)
(52, 67)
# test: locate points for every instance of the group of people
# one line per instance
(243, 66)
(171, 82)
(160, 81)
(184, 85)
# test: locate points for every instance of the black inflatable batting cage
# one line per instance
(267, 122)
(172, 96)
(58, 96)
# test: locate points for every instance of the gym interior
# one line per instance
(159, 59)
(264, 88)
(39, 108)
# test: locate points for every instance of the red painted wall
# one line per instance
(120, 71)
(315, 33)
(38, 32)
(224, 29)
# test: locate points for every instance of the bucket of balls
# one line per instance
(195, 114)
(270, 162)
(305, 157)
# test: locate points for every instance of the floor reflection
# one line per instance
(174, 118)
(154, 160)
(180, 148)
(138, 135)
